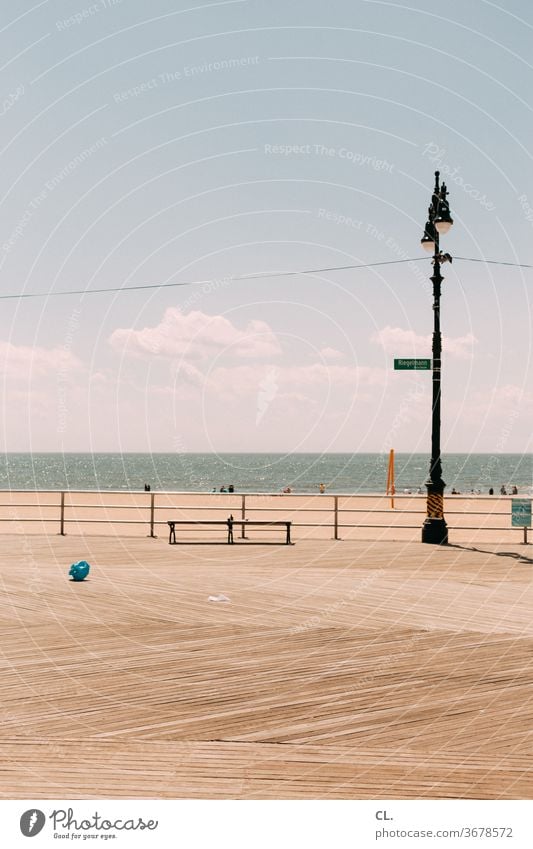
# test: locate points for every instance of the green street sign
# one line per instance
(412, 364)
(521, 513)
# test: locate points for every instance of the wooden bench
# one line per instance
(172, 526)
(244, 523)
(228, 523)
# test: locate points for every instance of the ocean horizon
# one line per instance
(259, 472)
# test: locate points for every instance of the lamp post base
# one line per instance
(435, 532)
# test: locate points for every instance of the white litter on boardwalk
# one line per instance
(219, 597)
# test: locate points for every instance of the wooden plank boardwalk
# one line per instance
(338, 670)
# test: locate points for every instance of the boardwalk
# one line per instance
(338, 670)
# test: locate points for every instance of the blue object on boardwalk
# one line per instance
(79, 570)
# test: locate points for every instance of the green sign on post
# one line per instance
(412, 364)
(521, 513)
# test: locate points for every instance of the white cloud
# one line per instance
(184, 372)
(407, 343)
(460, 347)
(196, 335)
(331, 354)
(500, 401)
(99, 378)
(20, 362)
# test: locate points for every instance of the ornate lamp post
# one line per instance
(434, 529)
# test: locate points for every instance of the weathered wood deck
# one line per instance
(338, 670)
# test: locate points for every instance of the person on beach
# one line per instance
(223, 489)
(491, 491)
(503, 491)
(231, 488)
(514, 491)
(287, 490)
(322, 488)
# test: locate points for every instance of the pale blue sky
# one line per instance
(194, 141)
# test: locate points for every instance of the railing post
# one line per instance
(62, 515)
(243, 515)
(525, 536)
(152, 515)
(336, 516)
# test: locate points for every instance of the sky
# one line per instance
(195, 143)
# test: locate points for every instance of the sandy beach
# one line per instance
(336, 670)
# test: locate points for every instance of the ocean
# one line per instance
(343, 473)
